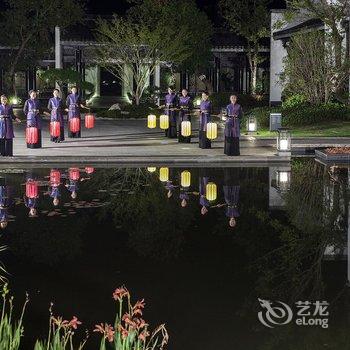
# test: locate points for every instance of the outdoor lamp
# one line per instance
(211, 191)
(198, 102)
(185, 179)
(186, 128)
(151, 169)
(223, 114)
(212, 131)
(252, 124)
(164, 174)
(164, 122)
(14, 100)
(283, 180)
(151, 121)
(284, 142)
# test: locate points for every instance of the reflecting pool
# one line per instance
(201, 245)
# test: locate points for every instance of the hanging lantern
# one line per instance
(151, 121)
(89, 121)
(252, 124)
(55, 129)
(284, 142)
(74, 174)
(32, 135)
(55, 177)
(164, 174)
(74, 124)
(89, 170)
(212, 131)
(186, 128)
(151, 169)
(32, 189)
(164, 122)
(185, 179)
(211, 191)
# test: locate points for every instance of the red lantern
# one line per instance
(89, 121)
(55, 177)
(74, 174)
(74, 124)
(55, 129)
(89, 170)
(32, 135)
(32, 189)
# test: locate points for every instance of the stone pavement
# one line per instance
(129, 141)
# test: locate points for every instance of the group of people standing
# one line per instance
(33, 112)
(180, 109)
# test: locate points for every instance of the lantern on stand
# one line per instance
(212, 131)
(32, 189)
(151, 169)
(284, 142)
(74, 174)
(164, 122)
(55, 129)
(32, 135)
(186, 128)
(211, 191)
(151, 121)
(55, 177)
(89, 121)
(164, 174)
(252, 125)
(74, 124)
(185, 179)
(283, 180)
(89, 170)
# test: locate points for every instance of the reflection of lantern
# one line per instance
(89, 121)
(186, 128)
(212, 131)
(32, 189)
(252, 124)
(89, 170)
(55, 177)
(32, 135)
(55, 129)
(164, 174)
(211, 191)
(283, 180)
(185, 178)
(284, 141)
(164, 122)
(74, 174)
(151, 169)
(151, 121)
(74, 124)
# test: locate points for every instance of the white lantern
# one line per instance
(164, 122)
(185, 179)
(212, 131)
(284, 142)
(283, 180)
(151, 121)
(186, 128)
(151, 169)
(211, 191)
(164, 174)
(252, 124)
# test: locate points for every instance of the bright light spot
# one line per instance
(284, 176)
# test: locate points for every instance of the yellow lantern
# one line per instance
(186, 128)
(151, 121)
(185, 179)
(164, 174)
(164, 122)
(212, 131)
(151, 169)
(211, 191)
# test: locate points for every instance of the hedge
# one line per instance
(222, 99)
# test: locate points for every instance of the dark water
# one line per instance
(279, 234)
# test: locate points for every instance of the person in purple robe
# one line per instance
(32, 111)
(170, 110)
(204, 119)
(203, 201)
(231, 190)
(55, 106)
(74, 104)
(232, 127)
(6, 127)
(185, 107)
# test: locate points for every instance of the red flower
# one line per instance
(141, 323)
(143, 335)
(74, 323)
(123, 331)
(137, 308)
(128, 320)
(120, 293)
(107, 330)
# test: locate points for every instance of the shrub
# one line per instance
(294, 101)
(222, 99)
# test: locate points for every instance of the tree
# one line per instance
(27, 26)
(250, 19)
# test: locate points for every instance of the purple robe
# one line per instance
(73, 102)
(185, 104)
(184, 194)
(234, 113)
(30, 202)
(6, 121)
(32, 110)
(54, 191)
(205, 117)
(203, 181)
(170, 102)
(72, 186)
(231, 194)
(56, 110)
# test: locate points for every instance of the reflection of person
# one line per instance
(232, 128)
(6, 202)
(184, 196)
(32, 111)
(204, 119)
(170, 105)
(170, 187)
(6, 127)
(231, 190)
(185, 106)
(32, 194)
(56, 114)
